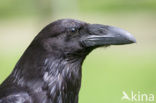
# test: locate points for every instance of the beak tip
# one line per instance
(130, 38)
(134, 41)
(124, 37)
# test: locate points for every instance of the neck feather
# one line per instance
(59, 78)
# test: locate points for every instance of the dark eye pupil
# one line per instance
(73, 29)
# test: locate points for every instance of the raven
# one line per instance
(49, 71)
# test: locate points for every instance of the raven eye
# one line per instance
(73, 29)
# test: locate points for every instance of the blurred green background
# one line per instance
(107, 72)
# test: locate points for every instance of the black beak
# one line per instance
(102, 35)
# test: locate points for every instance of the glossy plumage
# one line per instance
(49, 71)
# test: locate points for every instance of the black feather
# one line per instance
(49, 71)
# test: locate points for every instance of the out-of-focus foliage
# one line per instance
(117, 5)
(16, 8)
(9, 8)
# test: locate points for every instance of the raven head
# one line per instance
(75, 37)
